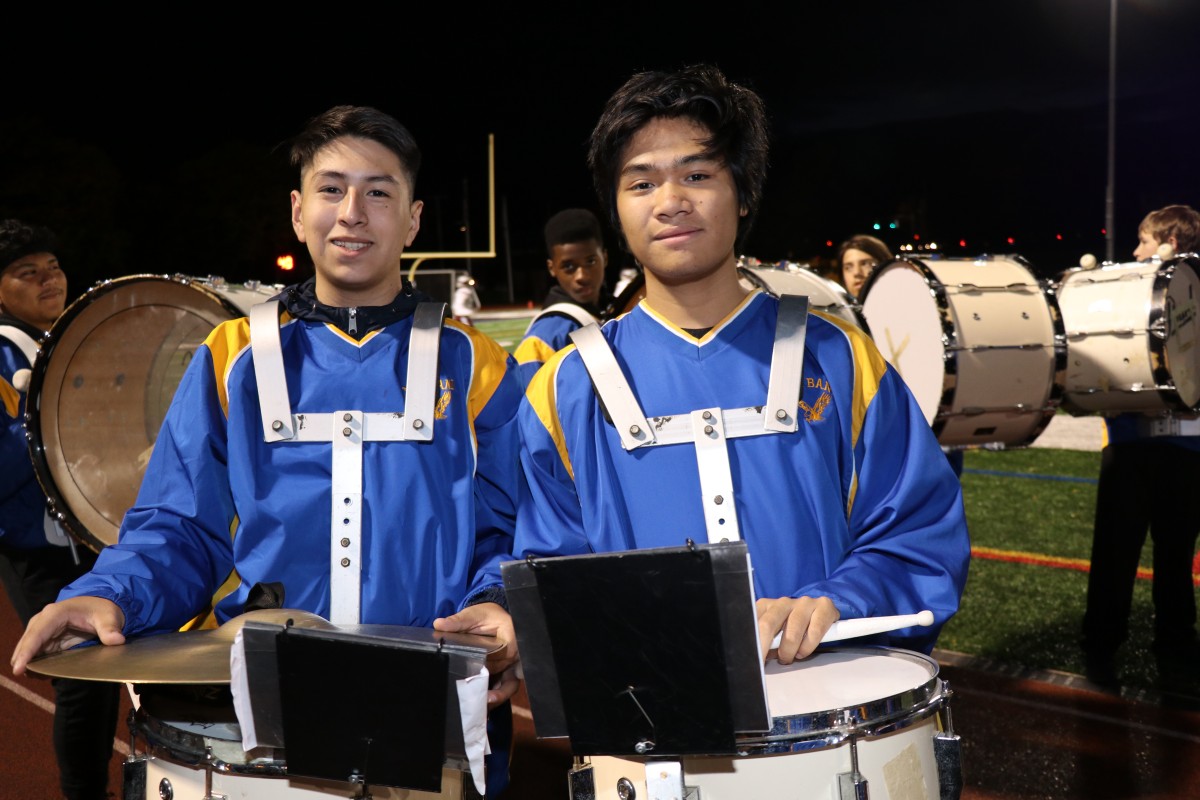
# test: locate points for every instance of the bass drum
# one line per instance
(824, 295)
(101, 384)
(1133, 337)
(979, 341)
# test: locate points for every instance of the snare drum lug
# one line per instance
(581, 783)
(133, 777)
(852, 785)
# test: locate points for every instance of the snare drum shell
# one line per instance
(1133, 337)
(187, 756)
(893, 696)
(979, 342)
(147, 774)
(101, 385)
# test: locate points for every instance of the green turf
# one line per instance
(1020, 615)
(1028, 615)
(507, 332)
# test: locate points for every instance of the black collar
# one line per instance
(301, 302)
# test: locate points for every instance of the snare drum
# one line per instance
(874, 709)
(824, 295)
(980, 343)
(205, 759)
(1132, 336)
(101, 385)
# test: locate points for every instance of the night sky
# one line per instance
(157, 152)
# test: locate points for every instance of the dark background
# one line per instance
(152, 145)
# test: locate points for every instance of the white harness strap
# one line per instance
(612, 387)
(787, 361)
(571, 310)
(22, 340)
(707, 428)
(346, 430)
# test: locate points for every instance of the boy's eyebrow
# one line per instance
(641, 167)
(332, 174)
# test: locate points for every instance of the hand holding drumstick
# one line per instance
(814, 621)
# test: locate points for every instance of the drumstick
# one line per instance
(852, 628)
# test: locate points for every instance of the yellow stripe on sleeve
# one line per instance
(225, 343)
(532, 348)
(488, 369)
(11, 398)
(542, 396)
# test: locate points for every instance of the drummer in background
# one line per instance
(1147, 481)
(227, 521)
(857, 258)
(37, 559)
(854, 513)
(576, 258)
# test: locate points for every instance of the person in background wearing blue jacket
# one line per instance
(243, 492)
(576, 258)
(37, 558)
(837, 484)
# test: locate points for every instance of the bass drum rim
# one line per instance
(41, 424)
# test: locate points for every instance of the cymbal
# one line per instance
(202, 657)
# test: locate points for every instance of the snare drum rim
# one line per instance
(830, 727)
(178, 746)
(56, 502)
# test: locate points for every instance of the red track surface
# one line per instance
(1024, 736)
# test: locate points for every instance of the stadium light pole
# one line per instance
(1111, 190)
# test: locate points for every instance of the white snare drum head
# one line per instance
(837, 679)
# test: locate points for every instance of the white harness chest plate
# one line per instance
(346, 430)
(708, 429)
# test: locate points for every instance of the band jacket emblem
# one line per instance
(816, 411)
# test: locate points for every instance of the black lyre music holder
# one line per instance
(368, 704)
(643, 652)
